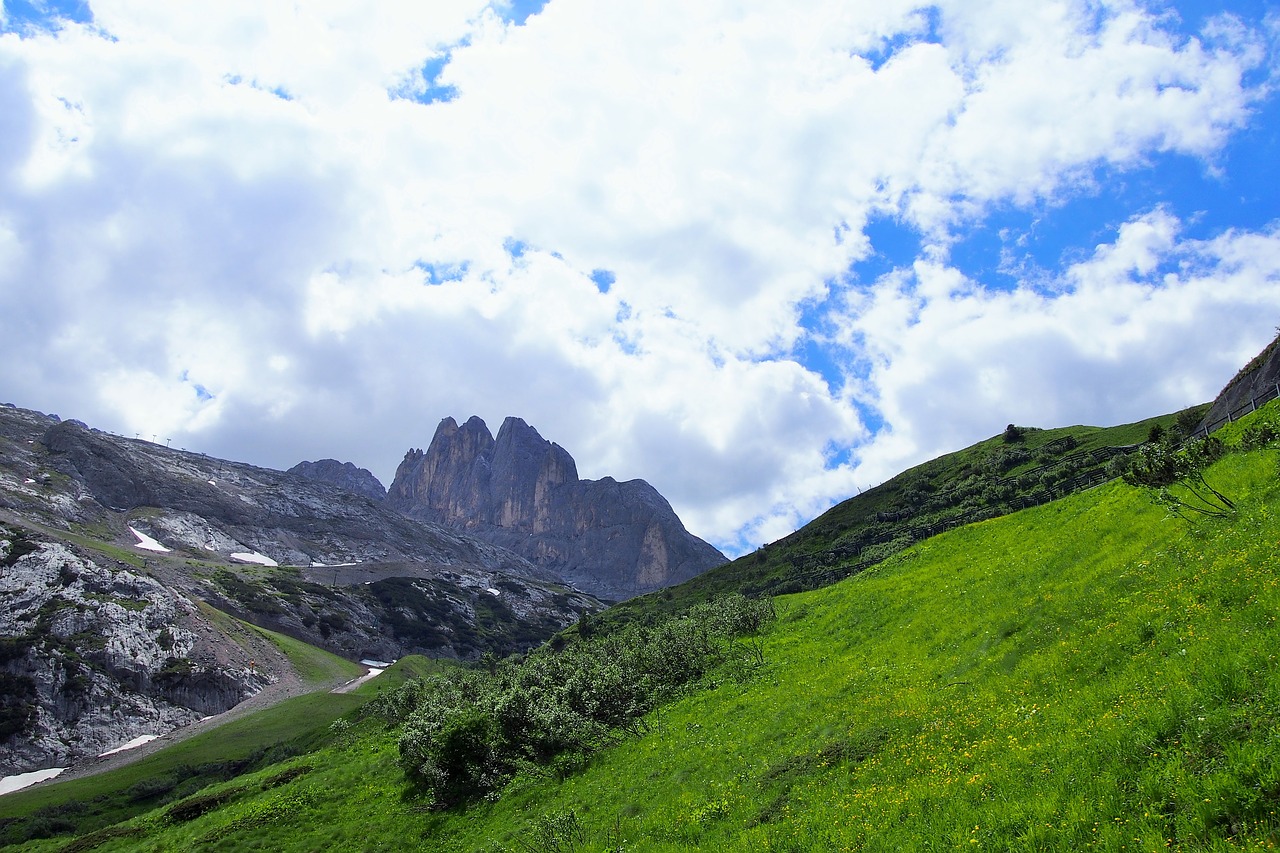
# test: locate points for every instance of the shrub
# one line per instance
(19, 545)
(1258, 435)
(199, 805)
(467, 732)
(1160, 467)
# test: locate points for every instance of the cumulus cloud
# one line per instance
(280, 231)
(1152, 322)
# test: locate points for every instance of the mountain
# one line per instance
(344, 475)
(1017, 469)
(1089, 673)
(522, 492)
(131, 575)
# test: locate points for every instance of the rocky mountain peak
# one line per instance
(522, 491)
(344, 475)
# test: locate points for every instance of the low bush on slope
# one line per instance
(1088, 674)
(466, 733)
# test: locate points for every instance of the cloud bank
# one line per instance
(727, 249)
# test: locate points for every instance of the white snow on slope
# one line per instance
(9, 784)
(255, 557)
(146, 543)
(136, 742)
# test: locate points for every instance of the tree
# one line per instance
(1162, 467)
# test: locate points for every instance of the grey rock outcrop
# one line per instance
(612, 539)
(110, 625)
(344, 475)
(1259, 379)
(210, 505)
(355, 577)
(93, 657)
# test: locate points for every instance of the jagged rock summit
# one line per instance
(344, 475)
(612, 539)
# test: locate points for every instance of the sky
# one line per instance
(761, 255)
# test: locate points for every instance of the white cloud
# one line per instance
(1150, 323)
(231, 225)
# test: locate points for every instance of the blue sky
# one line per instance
(760, 258)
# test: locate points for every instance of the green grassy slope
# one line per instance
(989, 479)
(294, 726)
(1087, 674)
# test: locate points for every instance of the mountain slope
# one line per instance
(1023, 467)
(522, 492)
(1086, 674)
(120, 561)
(1256, 383)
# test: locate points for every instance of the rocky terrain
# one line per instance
(522, 492)
(125, 562)
(93, 655)
(344, 475)
(1256, 382)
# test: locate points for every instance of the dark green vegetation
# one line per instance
(1022, 467)
(1092, 673)
(466, 733)
(422, 612)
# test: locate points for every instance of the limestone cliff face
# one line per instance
(522, 492)
(94, 656)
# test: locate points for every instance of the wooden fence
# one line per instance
(1240, 411)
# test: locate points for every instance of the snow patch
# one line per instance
(377, 664)
(373, 672)
(146, 543)
(493, 591)
(9, 784)
(136, 742)
(255, 557)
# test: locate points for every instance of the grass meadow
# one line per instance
(1085, 675)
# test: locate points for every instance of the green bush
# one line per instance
(465, 733)
(18, 544)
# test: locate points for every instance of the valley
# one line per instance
(1039, 656)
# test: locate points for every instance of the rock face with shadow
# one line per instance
(518, 490)
(222, 507)
(122, 563)
(94, 654)
(1257, 380)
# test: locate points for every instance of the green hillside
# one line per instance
(1085, 674)
(1021, 468)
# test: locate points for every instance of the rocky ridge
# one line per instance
(150, 547)
(94, 655)
(522, 492)
(1258, 381)
(344, 475)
